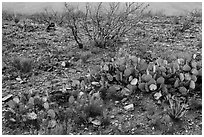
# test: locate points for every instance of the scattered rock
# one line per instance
(96, 122)
(18, 79)
(134, 81)
(129, 107)
(63, 64)
(6, 98)
(116, 102)
(112, 116)
(95, 83)
(123, 100)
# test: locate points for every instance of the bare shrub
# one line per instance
(7, 15)
(103, 23)
(72, 17)
(24, 65)
(196, 13)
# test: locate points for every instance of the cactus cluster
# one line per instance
(129, 74)
(180, 75)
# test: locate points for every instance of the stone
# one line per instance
(129, 107)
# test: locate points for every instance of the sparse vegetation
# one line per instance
(177, 109)
(149, 83)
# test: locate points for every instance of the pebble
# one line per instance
(18, 79)
(152, 128)
(112, 116)
(95, 83)
(129, 107)
(96, 122)
(4, 99)
(116, 102)
(123, 100)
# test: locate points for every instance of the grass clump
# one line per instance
(23, 64)
(177, 109)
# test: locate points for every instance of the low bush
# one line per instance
(22, 64)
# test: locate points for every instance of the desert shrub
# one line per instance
(177, 109)
(196, 13)
(24, 65)
(47, 16)
(16, 20)
(102, 24)
(148, 14)
(85, 56)
(106, 26)
(72, 17)
(7, 16)
(175, 20)
(186, 25)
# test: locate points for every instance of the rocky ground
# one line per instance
(38, 99)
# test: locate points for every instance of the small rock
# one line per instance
(116, 102)
(18, 79)
(95, 83)
(63, 64)
(152, 128)
(96, 122)
(22, 82)
(123, 100)
(129, 107)
(6, 98)
(44, 99)
(159, 102)
(134, 81)
(126, 92)
(112, 116)
(12, 119)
